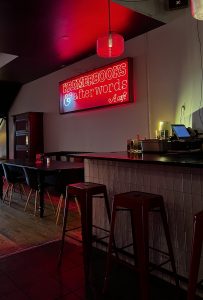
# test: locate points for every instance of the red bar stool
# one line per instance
(196, 254)
(139, 204)
(85, 192)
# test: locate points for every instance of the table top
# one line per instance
(53, 166)
(189, 159)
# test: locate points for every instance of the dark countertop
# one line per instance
(53, 166)
(191, 159)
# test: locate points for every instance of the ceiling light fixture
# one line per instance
(110, 44)
(197, 9)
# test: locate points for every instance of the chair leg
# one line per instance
(50, 200)
(28, 198)
(36, 198)
(20, 190)
(23, 190)
(58, 210)
(6, 192)
(11, 194)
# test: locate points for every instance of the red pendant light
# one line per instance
(110, 44)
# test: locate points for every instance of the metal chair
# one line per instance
(13, 178)
(57, 189)
(31, 177)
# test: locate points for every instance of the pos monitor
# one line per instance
(180, 131)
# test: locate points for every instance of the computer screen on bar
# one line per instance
(180, 131)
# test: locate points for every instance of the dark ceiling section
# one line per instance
(49, 34)
(8, 92)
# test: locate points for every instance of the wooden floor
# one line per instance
(33, 274)
(20, 229)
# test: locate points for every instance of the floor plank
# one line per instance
(20, 229)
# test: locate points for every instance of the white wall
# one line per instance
(175, 74)
(167, 75)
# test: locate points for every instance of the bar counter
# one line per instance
(177, 177)
(187, 159)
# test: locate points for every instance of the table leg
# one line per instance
(41, 194)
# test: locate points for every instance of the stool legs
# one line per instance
(86, 221)
(65, 217)
(138, 237)
(109, 251)
(139, 209)
(84, 193)
(140, 221)
(169, 244)
(107, 206)
(196, 255)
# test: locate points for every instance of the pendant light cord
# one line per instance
(109, 11)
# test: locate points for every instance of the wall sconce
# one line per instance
(110, 44)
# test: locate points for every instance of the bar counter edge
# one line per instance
(192, 159)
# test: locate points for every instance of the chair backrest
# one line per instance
(12, 173)
(31, 177)
(54, 182)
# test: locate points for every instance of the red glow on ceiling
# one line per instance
(107, 86)
(80, 23)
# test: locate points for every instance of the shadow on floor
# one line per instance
(33, 275)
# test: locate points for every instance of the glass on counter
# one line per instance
(134, 146)
(163, 130)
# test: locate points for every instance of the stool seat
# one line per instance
(130, 200)
(86, 187)
(139, 204)
(85, 192)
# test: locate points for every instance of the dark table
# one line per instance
(70, 172)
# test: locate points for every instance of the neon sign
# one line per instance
(109, 85)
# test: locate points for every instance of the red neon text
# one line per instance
(105, 86)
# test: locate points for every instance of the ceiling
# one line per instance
(162, 10)
(45, 35)
(49, 34)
